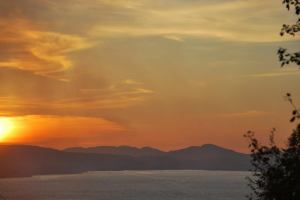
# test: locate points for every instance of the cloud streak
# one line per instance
(225, 20)
(37, 71)
(246, 114)
(287, 71)
(44, 53)
(27, 95)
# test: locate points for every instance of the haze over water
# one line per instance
(130, 185)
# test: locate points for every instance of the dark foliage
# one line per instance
(290, 29)
(292, 3)
(285, 57)
(276, 171)
(295, 112)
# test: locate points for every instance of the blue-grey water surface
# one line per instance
(129, 185)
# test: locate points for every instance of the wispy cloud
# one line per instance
(41, 52)
(38, 74)
(229, 20)
(62, 98)
(249, 113)
(294, 72)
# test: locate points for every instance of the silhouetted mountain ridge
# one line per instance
(204, 149)
(117, 150)
(24, 160)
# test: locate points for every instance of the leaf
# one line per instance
(294, 112)
(293, 119)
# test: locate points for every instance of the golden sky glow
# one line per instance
(162, 73)
(6, 127)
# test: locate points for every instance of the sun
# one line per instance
(6, 126)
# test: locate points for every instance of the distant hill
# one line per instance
(24, 160)
(120, 150)
(211, 157)
(207, 156)
(21, 160)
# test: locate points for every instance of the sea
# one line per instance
(130, 185)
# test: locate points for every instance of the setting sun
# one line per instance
(6, 126)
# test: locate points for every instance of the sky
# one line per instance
(160, 73)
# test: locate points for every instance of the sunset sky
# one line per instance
(161, 73)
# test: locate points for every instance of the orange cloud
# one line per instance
(42, 52)
(23, 93)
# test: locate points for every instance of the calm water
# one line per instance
(129, 185)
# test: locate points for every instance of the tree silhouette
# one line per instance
(284, 56)
(276, 171)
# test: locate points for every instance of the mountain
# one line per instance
(211, 157)
(120, 150)
(24, 160)
(207, 156)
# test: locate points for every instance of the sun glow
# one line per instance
(6, 126)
